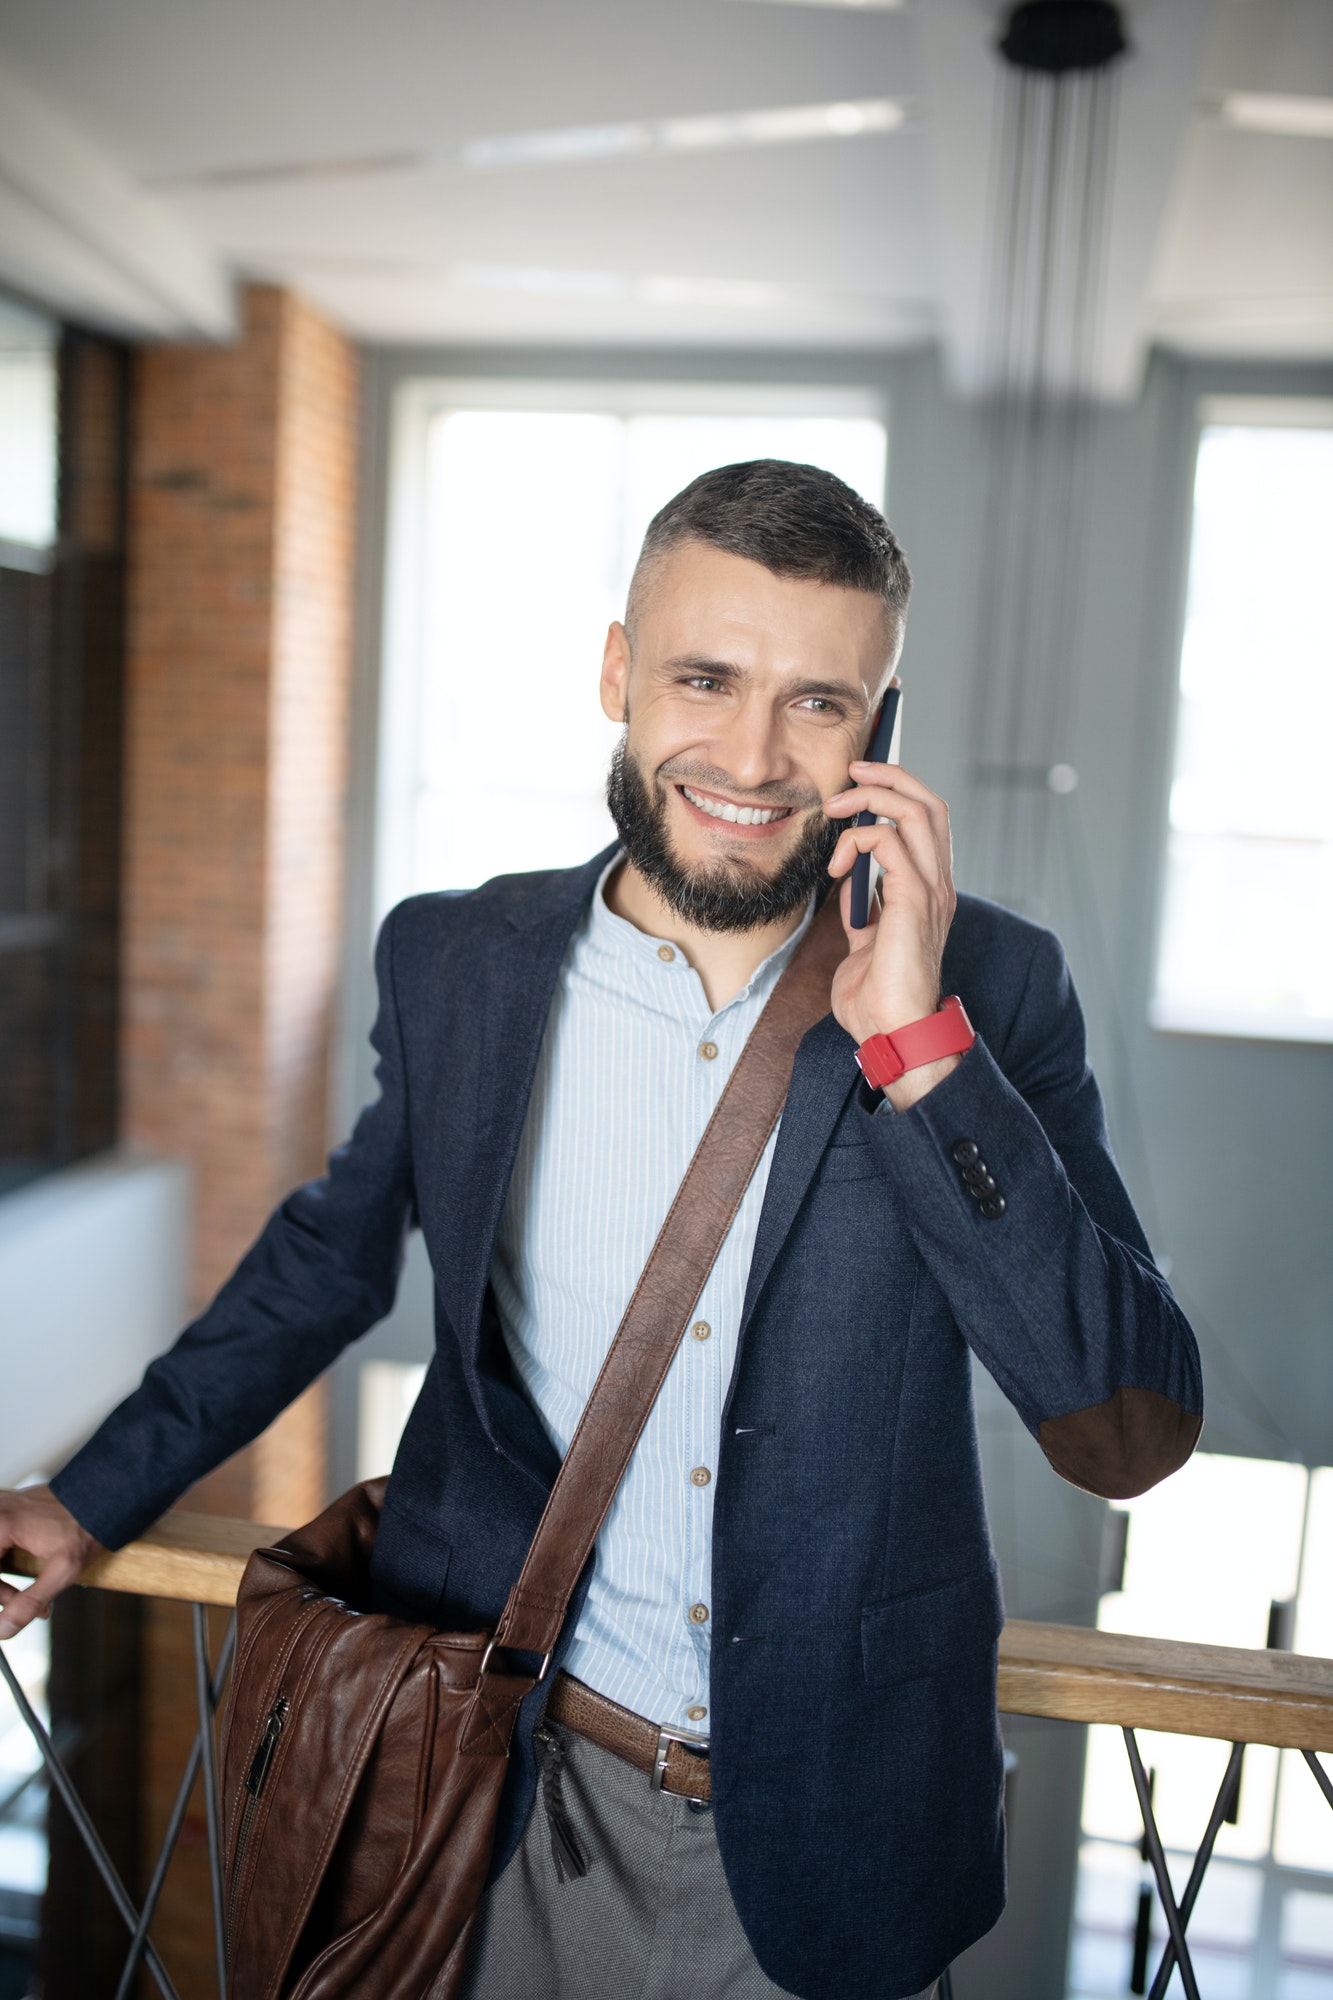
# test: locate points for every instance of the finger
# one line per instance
(23, 1606)
(911, 864)
(912, 819)
(908, 786)
(898, 776)
(21, 1610)
(913, 823)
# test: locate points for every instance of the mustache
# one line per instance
(709, 778)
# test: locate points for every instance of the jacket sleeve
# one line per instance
(324, 1269)
(1054, 1286)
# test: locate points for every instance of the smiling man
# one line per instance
(795, 1581)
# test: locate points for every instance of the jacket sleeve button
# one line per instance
(993, 1207)
(966, 1151)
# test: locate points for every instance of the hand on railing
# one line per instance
(33, 1519)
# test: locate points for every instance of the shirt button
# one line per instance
(700, 1476)
(696, 1714)
(701, 1329)
(708, 1050)
(698, 1614)
(665, 953)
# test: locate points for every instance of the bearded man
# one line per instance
(796, 1579)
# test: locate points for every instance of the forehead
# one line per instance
(704, 602)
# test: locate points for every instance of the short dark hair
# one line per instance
(797, 520)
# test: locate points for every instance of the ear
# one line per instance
(615, 673)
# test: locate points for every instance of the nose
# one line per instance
(750, 747)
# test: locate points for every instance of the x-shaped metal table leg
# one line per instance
(209, 1689)
(1152, 1840)
(215, 1686)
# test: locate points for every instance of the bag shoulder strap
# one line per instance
(675, 1274)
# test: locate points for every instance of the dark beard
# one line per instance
(728, 896)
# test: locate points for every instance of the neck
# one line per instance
(724, 960)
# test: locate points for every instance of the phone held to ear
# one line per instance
(883, 750)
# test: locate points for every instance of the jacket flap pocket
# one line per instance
(410, 1565)
(931, 1631)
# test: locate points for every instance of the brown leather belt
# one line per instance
(664, 1754)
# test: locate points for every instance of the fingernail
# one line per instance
(7, 1628)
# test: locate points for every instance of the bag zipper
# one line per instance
(274, 1724)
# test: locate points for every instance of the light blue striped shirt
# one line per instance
(632, 1065)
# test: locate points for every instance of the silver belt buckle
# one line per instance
(665, 1738)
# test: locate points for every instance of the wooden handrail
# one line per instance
(1066, 1671)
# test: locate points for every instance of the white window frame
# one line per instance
(1167, 1016)
(416, 402)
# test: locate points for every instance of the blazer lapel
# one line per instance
(822, 1079)
(511, 983)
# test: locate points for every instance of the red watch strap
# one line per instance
(947, 1032)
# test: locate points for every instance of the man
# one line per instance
(796, 1575)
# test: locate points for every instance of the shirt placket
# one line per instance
(707, 1343)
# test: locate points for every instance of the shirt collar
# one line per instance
(622, 939)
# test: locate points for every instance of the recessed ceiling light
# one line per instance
(540, 281)
(710, 132)
(862, 6)
(1280, 116)
(707, 132)
(720, 294)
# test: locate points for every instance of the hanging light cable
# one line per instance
(1051, 179)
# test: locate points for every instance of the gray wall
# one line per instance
(92, 1287)
(1223, 1142)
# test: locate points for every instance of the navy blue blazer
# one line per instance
(856, 1765)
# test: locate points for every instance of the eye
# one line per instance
(818, 704)
(704, 681)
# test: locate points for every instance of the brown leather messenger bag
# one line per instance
(363, 1756)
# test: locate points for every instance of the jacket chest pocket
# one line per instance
(855, 1161)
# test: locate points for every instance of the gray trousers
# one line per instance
(652, 1919)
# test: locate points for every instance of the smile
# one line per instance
(738, 815)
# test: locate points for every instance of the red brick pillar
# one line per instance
(241, 549)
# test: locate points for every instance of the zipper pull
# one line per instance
(268, 1743)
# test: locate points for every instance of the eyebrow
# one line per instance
(727, 670)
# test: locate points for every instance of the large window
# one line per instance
(516, 514)
(27, 438)
(1246, 943)
(1228, 1552)
(62, 406)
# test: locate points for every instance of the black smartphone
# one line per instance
(883, 750)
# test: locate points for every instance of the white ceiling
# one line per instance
(121, 121)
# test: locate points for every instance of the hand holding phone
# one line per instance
(883, 750)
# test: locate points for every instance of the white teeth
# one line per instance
(740, 815)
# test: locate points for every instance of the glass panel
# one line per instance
(27, 428)
(1223, 1930)
(1246, 945)
(1208, 1551)
(1307, 1946)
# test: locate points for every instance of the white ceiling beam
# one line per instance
(1159, 85)
(80, 237)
